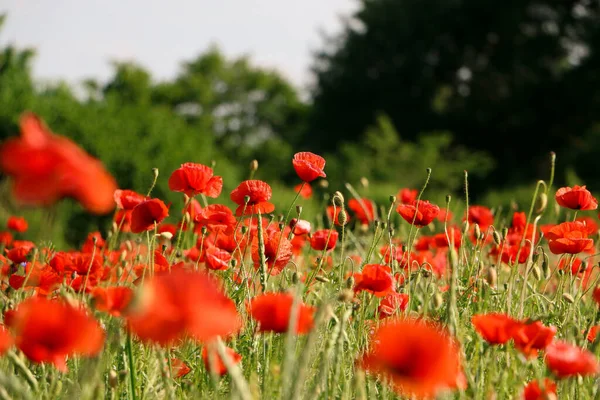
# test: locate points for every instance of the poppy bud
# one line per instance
(583, 266)
(253, 165)
(465, 226)
(187, 217)
(383, 225)
(543, 202)
(453, 258)
(233, 263)
(438, 300)
(535, 257)
(246, 199)
(346, 295)
(281, 226)
(128, 245)
(404, 248)
(391, 231)
(392, 199)
(244, 230)
(568, 298)
(338, 199)
(342, 218)
(113, 379)
(165, 235)
(205, 230)
(425, 272)
(448, 198)
(295, 278)
(350, 282)
(477, 230)
(546, 266)
(155, 173)
(323, 183)
(492, 276)
(537, 273)
(123, 256)
(504, 233)
(322, 279)
(299, 210)
(115, 226)
(364, 182)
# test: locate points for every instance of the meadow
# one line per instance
(240, 299)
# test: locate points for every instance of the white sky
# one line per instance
(76, 39)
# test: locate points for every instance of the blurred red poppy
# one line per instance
(422, 214)
(569, 237)
(300, 226)
(418, 358)
(216, 259)
(113, 300)
(193, 179)
(596, 295)
(324, 239)
(17, 224)
(169, 309)
(533, 391)
(49, 331)
(480, 215)
(148, 213)
(376, 279)
(392, 304)
(529, 337)
(408, 196)
(179, 368)
(278, 251)
(6, 340)
(363, 210)
(258, 194)
(272, 311)
(495, 328)
(219, 366)
(46, 167)
(309, 166)
(576, 198)
(304, 190)
(566, 360)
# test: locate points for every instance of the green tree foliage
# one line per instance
(514, 78)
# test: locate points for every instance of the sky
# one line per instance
(77, 39)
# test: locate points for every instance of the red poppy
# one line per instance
(424, 210)
(300, 226)
(309, 166)
(418, 358)
(113, 300)
(596, 295)
(494, 328)
(363, 210)
(376, 279)
(147, 214)
(533, 391)
(219, 366)
(570, 238)
(6, 238)
(46, 167)
(179, 368)
(593, 333)
(49, 331)
(17, 224)
(128, 199)
(272, 311)
(453, 235)
(278, 251)
(169, 309)
(41, 277)
(216, 218)
(392, 304)
(576, 198)
(6, 340)
(324, 239)
(258, 194)
(480, 215)
(444, 215)
(408, 196)
(18, 254)
(529, 337)
(304, 190)
(193, 179)
(193, 208)
(566, 360)
(216, 259)
(337, 210)
(519, 220)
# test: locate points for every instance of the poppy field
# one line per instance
(235, 298)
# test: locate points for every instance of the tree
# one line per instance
(512, 77)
